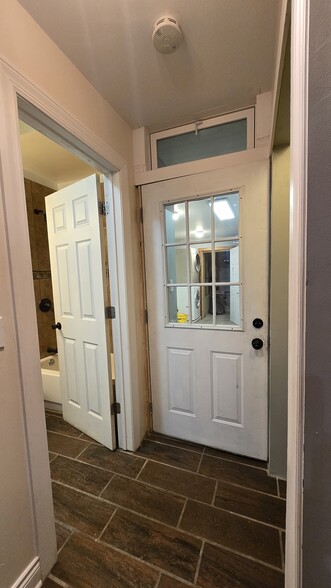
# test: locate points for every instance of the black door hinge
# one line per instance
(110, 312)
(115, 408)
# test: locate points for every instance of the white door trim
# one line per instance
(297, 290)
(12, 85)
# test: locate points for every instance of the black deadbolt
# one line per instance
(57, 326)
(257, 323)
(257, 343)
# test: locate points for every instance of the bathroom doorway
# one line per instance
(51, 169)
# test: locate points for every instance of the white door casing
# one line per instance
(209, 385)
(78, 278)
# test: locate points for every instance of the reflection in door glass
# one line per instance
(201, 263)
(175, 225)
(176, 265)
(178, 304)
(226, 215)
(227, 261)
(199, 212)
(202, 305)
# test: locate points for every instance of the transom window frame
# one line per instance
(188, 242)
(248, 114)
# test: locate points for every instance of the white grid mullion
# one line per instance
(188, 265)
(213, 260)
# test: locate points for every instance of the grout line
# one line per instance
(106, 486)
(181, 514)
(214, 495)
(158, 581)
(199, 563)
(141, 469)
(200, 461)
(240, 463)
(163, 442)
(278, 491)
(62, 546)
(80, 453)
(57, 581)
(106, 525)
(66, 435)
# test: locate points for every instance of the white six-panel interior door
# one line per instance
(209, 385)
(78, 279)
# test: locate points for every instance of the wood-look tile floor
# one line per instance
(171, 515)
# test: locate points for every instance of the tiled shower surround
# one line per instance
(171, 515)
(35, 198)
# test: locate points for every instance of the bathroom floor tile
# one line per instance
(62, 534)
(181, 482)
(80, 511)
(163, 546)
(225, 569)
(282, 488)
(236, 473)
(79, 475)
(144, 499)
(84, 563)
(261, 507)
(181, 458)
(114, 461)
(64, 445)
(58, 425)
(233, 531)
(168, 582)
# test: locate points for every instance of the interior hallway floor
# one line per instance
(171, 515)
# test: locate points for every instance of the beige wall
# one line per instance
(279, 309)
(30, 52)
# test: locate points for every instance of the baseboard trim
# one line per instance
(31, 577)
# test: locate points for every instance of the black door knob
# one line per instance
(257, 343)
(257, 323)
(57, 326)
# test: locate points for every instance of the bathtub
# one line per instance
(50, 376)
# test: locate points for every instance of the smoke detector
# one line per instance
(167, 35)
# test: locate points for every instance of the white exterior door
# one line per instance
(78, 278)
(209, 385)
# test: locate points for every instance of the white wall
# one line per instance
(32, 54)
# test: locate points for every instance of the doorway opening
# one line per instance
(50, 173)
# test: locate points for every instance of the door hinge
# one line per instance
(141, 215)
(146, 316)
(103, 208)
(115, 408)
(110, 312)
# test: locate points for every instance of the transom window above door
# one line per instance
(202, 262)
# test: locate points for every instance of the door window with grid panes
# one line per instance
(202, 262)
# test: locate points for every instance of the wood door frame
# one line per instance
(80, 140)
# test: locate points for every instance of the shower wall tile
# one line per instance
(35, 198)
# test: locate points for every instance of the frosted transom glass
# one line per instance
(218, 140)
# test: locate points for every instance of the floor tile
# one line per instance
(114, 461)
(62, 535)
(79, 475)
(87, 438)
(145, 500)
(233, 531)
(235, 473)
(283, 538)
(68, 446)
(50, 584)
(165, 547)
(282, 488)
(80, 511)
(262, 507)
(84, 563)
(51, 456)
(175, 480)
(159, 438)
(236, 458)
(223, 569)
(175, 456)
(58, 425)
(168, 582)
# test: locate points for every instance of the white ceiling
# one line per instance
(227, 56)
